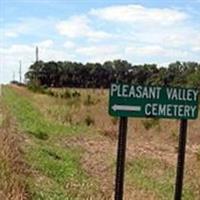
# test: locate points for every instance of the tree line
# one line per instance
(96, 75)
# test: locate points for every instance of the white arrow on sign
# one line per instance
(126, 108)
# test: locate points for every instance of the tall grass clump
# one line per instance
(114, 120)
(89, 120)
(198, 155)
(89, 100)
(36, 87)
(150, 123)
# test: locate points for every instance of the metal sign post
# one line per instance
(181, 160)
(151, 101)
(121, 156)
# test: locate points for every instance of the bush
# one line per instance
(76, 94)
(66, 94)
(34, 87)
(49, 92)
(89, 120)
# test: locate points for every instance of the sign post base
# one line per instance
(121, 155)
(181, 159)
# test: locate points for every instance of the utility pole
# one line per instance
(36, 54)
(20, 71)
(13, 76)
(0, 91)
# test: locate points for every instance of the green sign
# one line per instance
(153, 101)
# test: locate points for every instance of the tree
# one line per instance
(96, 75)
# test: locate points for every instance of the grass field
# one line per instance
(63, 146)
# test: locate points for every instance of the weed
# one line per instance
(198, 155)
(39, 134)
(57, 169)
(175, 135)
(56, 94)
(1, 119)
(66, 94)
(54, 165)
(49, 92)
(76, 94)
(114, 120)
(58, 164)
(89, 101)
(36, 87)
(159, 180)
(89, 120)
(31, 120)
(51, 153)
(13, 169)
(68, 118)
(150, 123)
(109, 132)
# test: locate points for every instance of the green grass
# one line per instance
(57, 171)
(60, 170)
(155, 176)
(31, 120)
(58, 167)
(55, 163)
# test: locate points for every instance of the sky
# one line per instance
(143, 31)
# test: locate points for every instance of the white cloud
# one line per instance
(100, 53)
(155, 53)
(11, 34)
(153, 50)
(11, 55)
(78, 26)
(196, 49)
(17, 50)
(69, 44)
(140, 14)
(95, 50)
(44, 44)
(181, 36)
(27, 52)
(152, 28)
(27, 26)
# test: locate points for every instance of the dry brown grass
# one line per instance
(158, 142)
(75, 111)
(12, 167)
